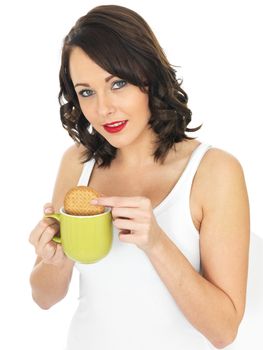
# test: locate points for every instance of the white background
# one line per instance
(217, 45)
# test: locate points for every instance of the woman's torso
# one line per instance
(153, 182)
(122, 301)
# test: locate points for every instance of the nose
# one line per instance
(105, 105)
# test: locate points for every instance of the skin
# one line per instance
(213, 302)
(107, 102)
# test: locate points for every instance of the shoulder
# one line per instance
(219, 158)
(219, 173)
(74, 153)
(69, 172)
(219, 165)
(72, 162)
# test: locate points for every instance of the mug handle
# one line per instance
(57, 217)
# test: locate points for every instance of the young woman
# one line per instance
(176, 275)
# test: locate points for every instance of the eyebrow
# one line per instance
(87, 85)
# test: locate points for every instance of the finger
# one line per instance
(49, 251)
(48, 208)
(34, 235)
(127, 238)
(39, 229)
(129, 202)
(130, 213)
(126, 224)
(47, 236)
(59, 255)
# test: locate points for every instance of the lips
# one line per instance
(115, 126)
(113, 123)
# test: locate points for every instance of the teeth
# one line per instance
(116, 124)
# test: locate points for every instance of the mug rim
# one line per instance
(107, 210)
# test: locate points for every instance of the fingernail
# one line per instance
(94, 201)
(48, 210)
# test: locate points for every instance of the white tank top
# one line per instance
(123, 304)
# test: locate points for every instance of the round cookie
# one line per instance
(77, 201)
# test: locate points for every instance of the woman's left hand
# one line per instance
(134, 218)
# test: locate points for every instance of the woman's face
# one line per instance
(104, 99)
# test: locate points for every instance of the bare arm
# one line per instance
(50, 282)
(51, 275)
(214, 303)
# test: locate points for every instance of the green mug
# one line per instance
(85, 239)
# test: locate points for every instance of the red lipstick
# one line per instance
(115, 126)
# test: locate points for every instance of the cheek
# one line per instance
(87, 111)
(138, 106)
(143, 108)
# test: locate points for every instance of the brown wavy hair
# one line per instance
(123, 44)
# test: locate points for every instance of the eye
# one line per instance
(119, 84)
(85, 93)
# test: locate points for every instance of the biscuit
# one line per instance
(77, 201)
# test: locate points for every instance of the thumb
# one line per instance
(48, 208)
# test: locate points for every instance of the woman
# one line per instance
(176, 274)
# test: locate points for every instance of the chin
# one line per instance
(118, 142)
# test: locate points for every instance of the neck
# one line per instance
(139, 153)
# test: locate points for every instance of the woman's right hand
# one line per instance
(41, 238)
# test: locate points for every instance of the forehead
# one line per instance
(83, 68)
